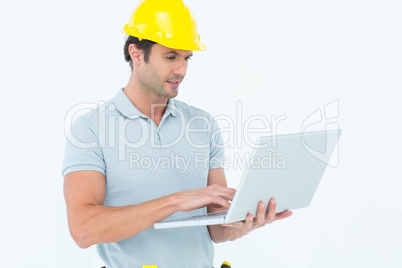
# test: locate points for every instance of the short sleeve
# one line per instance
(82, 149)
(217, 152)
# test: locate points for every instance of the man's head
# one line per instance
(162, 36)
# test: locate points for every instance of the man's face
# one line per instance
(164, 71)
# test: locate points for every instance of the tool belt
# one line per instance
(224, 265)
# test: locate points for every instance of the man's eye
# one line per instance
(188, 58)
(171, 58)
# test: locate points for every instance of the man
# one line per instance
(135, 161)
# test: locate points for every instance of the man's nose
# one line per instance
(180, 67)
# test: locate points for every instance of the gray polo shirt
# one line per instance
(141, 162)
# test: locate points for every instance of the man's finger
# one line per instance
(220, 201)
(260, 219)
(228, 193)
(271, 211)
(282, 215)
(249, 221)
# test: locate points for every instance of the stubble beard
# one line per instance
(152, 83)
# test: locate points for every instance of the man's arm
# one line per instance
(90, 222)
(232, 231)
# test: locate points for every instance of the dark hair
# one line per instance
(144, 45)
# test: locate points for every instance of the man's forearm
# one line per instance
(102, 224)
(220, 233)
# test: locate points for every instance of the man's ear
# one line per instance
(135, 54)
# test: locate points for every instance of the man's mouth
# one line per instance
(174, 83)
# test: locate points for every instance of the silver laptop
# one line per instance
(287, 167)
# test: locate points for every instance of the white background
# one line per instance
(276, 57)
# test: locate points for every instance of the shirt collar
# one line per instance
(126, 108)
(172, 108)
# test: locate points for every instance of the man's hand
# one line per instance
(212, 196)
(241, 228)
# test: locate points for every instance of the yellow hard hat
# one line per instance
(167, 22)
